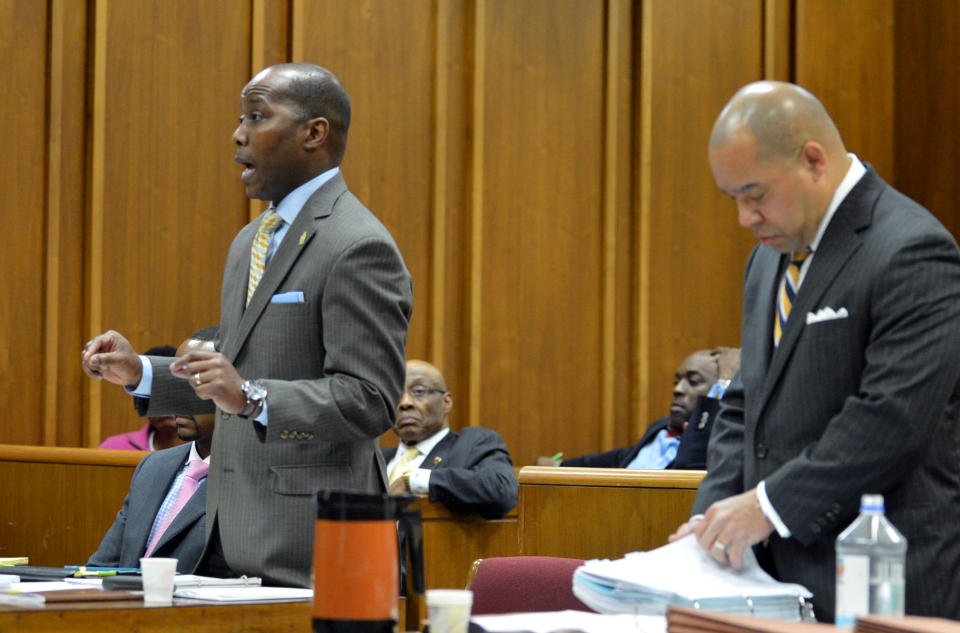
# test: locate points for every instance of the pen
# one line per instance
(558, 457)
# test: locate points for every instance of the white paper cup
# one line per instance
(449, 610)
(157, 576)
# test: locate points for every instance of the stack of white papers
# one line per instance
(682, 574)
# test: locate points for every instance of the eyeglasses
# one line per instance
(419, 392)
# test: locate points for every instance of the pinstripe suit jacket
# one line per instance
(862, 404)
(334, 370)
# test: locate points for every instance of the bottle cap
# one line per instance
(871, 503)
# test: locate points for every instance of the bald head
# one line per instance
(782, 117)
(777, 153)
(426, 372)
(315, 92)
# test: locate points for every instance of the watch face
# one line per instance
(254, 390)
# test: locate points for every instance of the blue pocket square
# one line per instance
(287, 297)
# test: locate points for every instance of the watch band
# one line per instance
(252, 409)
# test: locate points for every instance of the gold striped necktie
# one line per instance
(258, 252)
(788, 292)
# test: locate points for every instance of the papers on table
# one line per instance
(572, 621)
(682, 574)
(243, 594)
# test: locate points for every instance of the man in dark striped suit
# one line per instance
(849, 380)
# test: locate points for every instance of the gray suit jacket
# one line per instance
(333, 367)
(126, 540)
(862, 404)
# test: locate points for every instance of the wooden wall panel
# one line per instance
(23, 39)
(166, 191)
(844, 55)
(383, 52)
(692, 251)
(542, 165)
(926, 103)
(537, 342)
(64, 381)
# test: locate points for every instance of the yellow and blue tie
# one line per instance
(788, 291)
(258, 252)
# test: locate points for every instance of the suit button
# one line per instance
(309, 436)
(761, 451)
(283, 435)
(815, 528)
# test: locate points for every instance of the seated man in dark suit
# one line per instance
(469, 471)
(151, 521)
(679, 440)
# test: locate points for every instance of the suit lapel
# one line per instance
(235, 283)
(298, 236)
(154, 491)
(440, 451)
(840, 241)
(191, 512)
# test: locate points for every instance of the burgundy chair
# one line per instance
(516, 584)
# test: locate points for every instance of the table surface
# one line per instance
(184, 616)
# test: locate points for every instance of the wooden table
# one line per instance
(185, 616)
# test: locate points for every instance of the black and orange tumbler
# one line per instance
(356, 560)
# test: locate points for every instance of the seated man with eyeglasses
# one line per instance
(469, 471)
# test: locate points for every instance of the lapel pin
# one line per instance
(303, 238)
(437, 460)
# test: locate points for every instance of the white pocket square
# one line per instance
(287, 297)
(826, 314)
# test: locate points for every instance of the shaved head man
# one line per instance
(849, 383)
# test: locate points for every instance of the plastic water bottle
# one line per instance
(871, 555)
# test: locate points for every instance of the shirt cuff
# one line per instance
(144, 387)
(767, 508)
(262, 417)
(420, 481)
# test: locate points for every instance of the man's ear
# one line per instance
(318, 131)
(814, 158)
(447, 402)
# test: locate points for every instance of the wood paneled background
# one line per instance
(542, 164)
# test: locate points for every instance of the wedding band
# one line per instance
(720, 546)
(196, 379)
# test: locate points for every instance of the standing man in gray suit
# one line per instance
(849, 380)
(315, 307)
